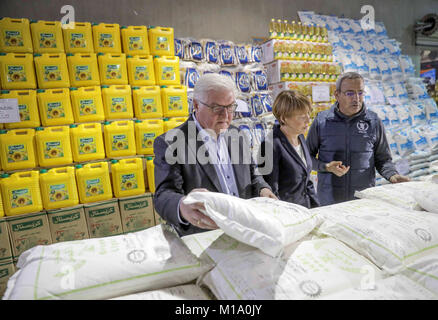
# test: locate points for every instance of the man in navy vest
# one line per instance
(354, 137)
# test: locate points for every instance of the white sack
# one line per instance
(264, 223)
(103, 268)
(425, 271)
(389, 236)
(184, 292)
(308, 270)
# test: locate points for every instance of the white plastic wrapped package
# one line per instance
(226, 54)
(427, 200)
(103, 268)
(385, 69)
(397, 287)
(425, 271)
(256, 104)
(431, 133)
(191, 77)
(380, 28)
(388, 235)
(416, 88)
(396, 71)
(194, 51)
(184, 292)
(259, 80)
(374, 68)
(418, 113)
(407, 66)
(211, 50)
(357, 28)
(256, 54)
(179, 48)
(418, 138)
(399, 194)
(404, 114)
(308, 270)
(243, 81)
(403, 141)
(346, 25)
(264, 223)
(431, 109)
(241, 54)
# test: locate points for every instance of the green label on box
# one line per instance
(4, 273)
(27, 225)
(66, 218)
(136, 205)
(101, 212)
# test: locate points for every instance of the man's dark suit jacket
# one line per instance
(290, 178)
(174, 181)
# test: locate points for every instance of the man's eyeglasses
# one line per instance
(351, 93)
(219, 109)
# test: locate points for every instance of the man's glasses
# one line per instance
(351, 93)
(219, 109)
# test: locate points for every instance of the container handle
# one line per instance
(57, 91)
(23, 93)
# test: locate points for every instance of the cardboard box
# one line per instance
(7, 269)
(28, 231)
(268, 51)
(136, 212)
(273, 71)
(158, 219)
(68, 224)
(103, 218)
(5, 244)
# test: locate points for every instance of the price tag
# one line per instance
(320, 93)
(9, 111)
(376, 96)
(242, 106)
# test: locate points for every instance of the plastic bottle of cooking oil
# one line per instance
(127, 177)
(15, 35)
(87, 142)
(174, 101)
(53, 146)
(150, 173)
(119, 138)
(112, 68)
(167, 70)
(58, 188)
(106, 38)
(161, 41)
(51, 70)
(93, 181)
(145, 133)
(21, 193)
(170, 123)
(47, 36)
(17, 149)
(117, 102)
(147, 102)
(27, 108)
(272, 29)
(83, 69)
(141, 70)
(78, 39)
(135, 40)
(17, 71)
(87, 104)
(54, 106)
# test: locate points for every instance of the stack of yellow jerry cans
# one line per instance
(91, 101)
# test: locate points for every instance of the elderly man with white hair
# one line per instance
(206, 153)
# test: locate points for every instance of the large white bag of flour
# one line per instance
(428, 199)
(425, 271)
(103, 268)
(399, 194)
(264, 223)
(310, 270)
(397, 287)
(184, 292)
(389, 236)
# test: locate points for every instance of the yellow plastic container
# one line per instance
(147, 102)
(15, 35)
(87, 142)
(135, 40)
(169, 124)
(174, 101)
(78, 39)
(17, 71)
(21, 193)
(145, 133)
(93, 181)
(47, 36)
(27, 107)
(167, 71)
(51, 70)
(83, 69)
(141, 70)
(58, 188)
(127, 177)
(55, 107)
(106, 38)
(53, 146)
(161, 41)
(117, 102)
(87, 104)
(119, 138)
(150, 173)
(112, 68)
(17, 149)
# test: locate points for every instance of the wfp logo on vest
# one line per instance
(362, 127)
